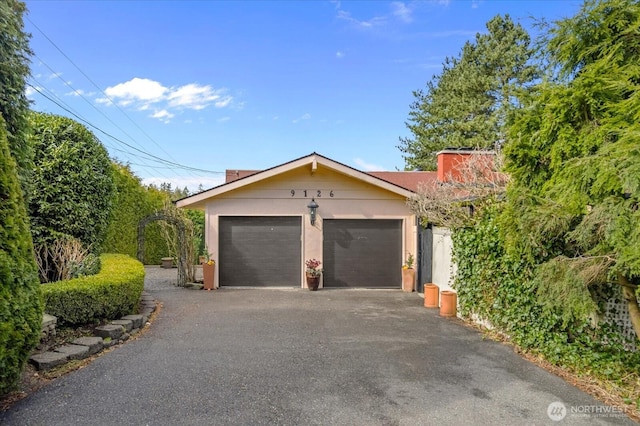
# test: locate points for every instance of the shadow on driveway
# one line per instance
(332, 357)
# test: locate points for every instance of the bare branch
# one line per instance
(452, 203)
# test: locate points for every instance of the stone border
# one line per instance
(116, 332)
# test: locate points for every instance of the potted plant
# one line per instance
(313, 273)
(408, 275)
(208, 273)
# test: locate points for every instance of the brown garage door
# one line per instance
(362, 253)
(260, 251)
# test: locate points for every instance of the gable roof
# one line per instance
(407, 180)
(313, 160)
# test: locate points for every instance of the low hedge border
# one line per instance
(113, 292)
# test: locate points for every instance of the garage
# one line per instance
(260, 251)
(365, 253)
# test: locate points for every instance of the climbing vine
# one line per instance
(498, 286)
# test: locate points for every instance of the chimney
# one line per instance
(450, 161)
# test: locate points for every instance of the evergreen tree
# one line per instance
(14, 70)
(20, 304)
(468, 104)
(575, 164)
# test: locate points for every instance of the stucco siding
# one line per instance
(339, 196)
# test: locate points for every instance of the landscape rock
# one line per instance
(73, 351)
(135, 319)
(126, 324)
(112, 331)
(95, 344)
(48, 360)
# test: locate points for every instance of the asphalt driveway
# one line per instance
(295, 357)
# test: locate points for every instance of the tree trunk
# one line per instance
(629, 294)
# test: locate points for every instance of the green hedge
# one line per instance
(20, 305)
(114, 292)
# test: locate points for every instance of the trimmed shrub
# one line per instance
(132, 203)
(112, 293)
(20, 304)
(72, 182)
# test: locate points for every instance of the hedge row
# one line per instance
(114, 292)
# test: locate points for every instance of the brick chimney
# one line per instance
(450, 161)
(232, 175)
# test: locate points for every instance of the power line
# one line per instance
(70, 110)
(62, 104)
(155, 157)
(99, 89)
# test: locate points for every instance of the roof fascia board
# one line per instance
(314, 161)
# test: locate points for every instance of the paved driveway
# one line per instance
(294, 357)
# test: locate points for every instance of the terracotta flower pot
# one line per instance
(448, 303)
(313, 282)
(208, 273)
(431, 292)
(408, 280)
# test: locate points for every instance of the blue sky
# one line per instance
(216, 85)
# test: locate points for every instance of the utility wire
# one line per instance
(99, 89)
(69, 109)
(62, 104)
(79, 94)
(155, 157)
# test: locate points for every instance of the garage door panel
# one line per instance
(260, 251)
(362, 253)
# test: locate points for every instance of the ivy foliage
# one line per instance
(495, 285)
(468, 103)
(72, 180)
(15, 57)
(20, 304)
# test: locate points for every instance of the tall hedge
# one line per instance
(133, 202)
(20, 303)
(14, 58)
(72, 182)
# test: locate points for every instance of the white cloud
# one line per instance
(365, 166)
(373, 22)
(223, 119)
(30, 91)
(401, 11)
(79, 92)
(163, 113)
(143, 94)
(193, 96)
(340, 54)
(137, 89)
(54, 75)
(305, 116)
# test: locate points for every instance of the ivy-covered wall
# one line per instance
(497, 286)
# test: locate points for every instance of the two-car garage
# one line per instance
(266, 251)
(261, 226)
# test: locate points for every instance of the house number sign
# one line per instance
(313, 193)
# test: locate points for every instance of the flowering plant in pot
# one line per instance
(313, 273)
(408, 274)
(208, 272)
